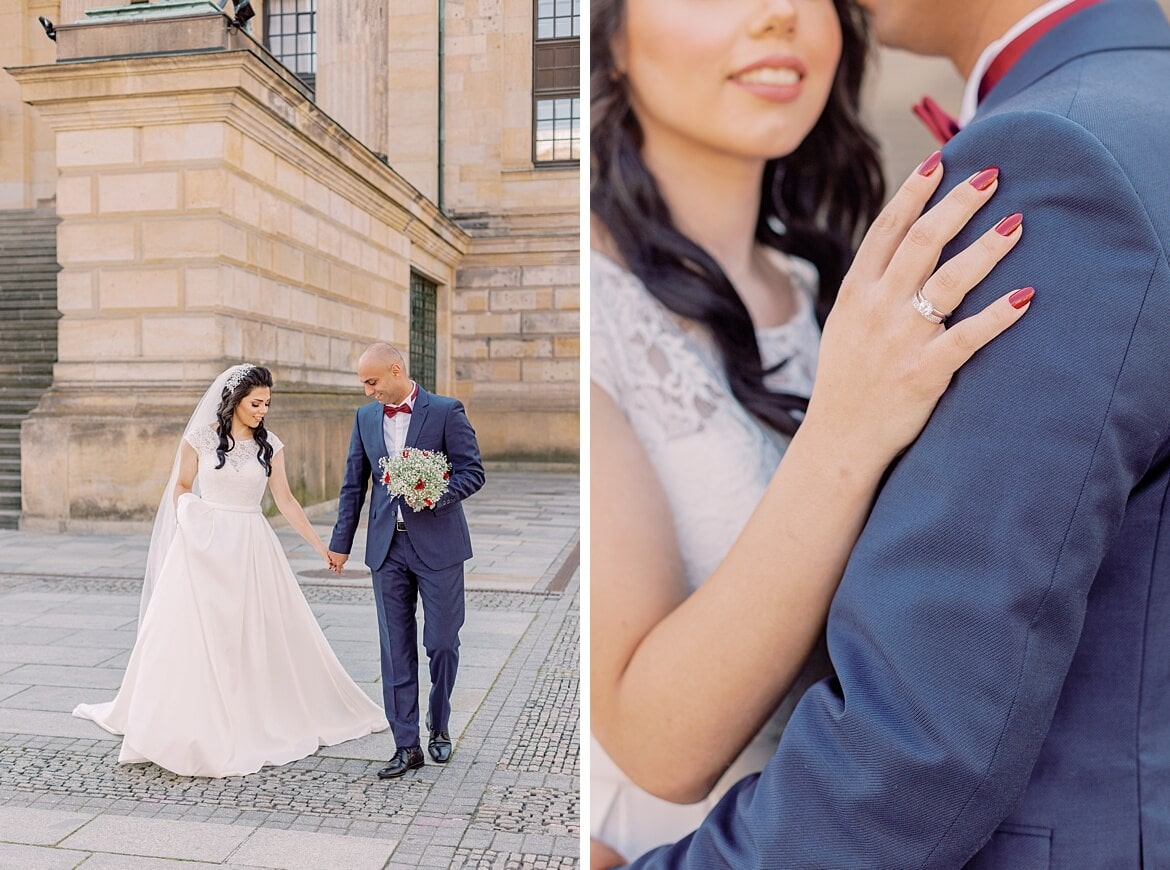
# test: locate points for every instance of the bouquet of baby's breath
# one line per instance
(419, 476)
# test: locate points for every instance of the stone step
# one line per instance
(19, 411)
(9, 519)
(31, 278)
(23, 394)
(27, 283)
(31, 357)
(19, 347)
(15, 332)
(28, 292)
(10, 500)
(13, 253)
(13, 308)
(19, 387)
(43, 369)
(40, 316)
(33, 331)
(26, 218)
(14, 344)
(35, 233)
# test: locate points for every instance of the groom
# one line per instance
(1002, 633)
(410, 554)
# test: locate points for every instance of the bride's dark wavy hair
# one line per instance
(816, 203)
(256, 376)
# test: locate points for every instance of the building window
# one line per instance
(290, 30)
(556, 89)
(423, 296)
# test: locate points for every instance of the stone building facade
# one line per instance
(378, 171)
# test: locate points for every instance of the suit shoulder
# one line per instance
(1034, 135)
(446, 403)
(1047, 160)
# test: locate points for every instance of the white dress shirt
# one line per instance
(395, 428)
(971, 93)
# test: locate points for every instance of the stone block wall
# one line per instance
(517, 350)
(212, 214)
(27, 172)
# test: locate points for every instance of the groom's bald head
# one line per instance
(382, 353)
(382, 371)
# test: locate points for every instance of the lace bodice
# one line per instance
(241, 481)
(713, 458)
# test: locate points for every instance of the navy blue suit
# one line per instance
(427, 560)
(1001, 636)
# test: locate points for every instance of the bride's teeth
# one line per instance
(770, 76)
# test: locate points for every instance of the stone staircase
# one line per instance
(28, 335)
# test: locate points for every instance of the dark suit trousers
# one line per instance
(398, 583)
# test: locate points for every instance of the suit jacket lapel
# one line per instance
(1108, 26)
(417, 415)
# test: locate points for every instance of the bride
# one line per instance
(230, 671)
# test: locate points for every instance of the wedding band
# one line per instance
(923, 307)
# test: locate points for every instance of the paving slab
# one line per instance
(91, 621)
(55, 699)
(49, 724)
(65, 675)
(13, 857)
(7, 690)
(190, 841)
(106, 861)
(39, 827)
(38, 654)
(299, 850)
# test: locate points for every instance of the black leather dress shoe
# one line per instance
(403, 760)
(439, 746)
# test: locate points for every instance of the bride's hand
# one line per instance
(883, 366)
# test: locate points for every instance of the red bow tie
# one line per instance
(391, 410)
(937, 120)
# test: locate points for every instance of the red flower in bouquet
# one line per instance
(430, 470)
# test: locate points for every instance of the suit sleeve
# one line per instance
(463, 452)
(961, 607)
(353, 493)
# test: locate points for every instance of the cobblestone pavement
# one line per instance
(509, 798)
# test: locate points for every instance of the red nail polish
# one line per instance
(1022, 297)
(983, 180)
(930, 164)
(1009, 224)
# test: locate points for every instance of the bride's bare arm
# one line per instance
(290, 508)
(188, 466)
(680, 684)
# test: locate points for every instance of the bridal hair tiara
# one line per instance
(237, 376)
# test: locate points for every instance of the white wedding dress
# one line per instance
(666, 375)
(230, 671)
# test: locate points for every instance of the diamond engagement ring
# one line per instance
(923, 307)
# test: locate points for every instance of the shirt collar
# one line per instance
(410, 397)
(971, 92)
